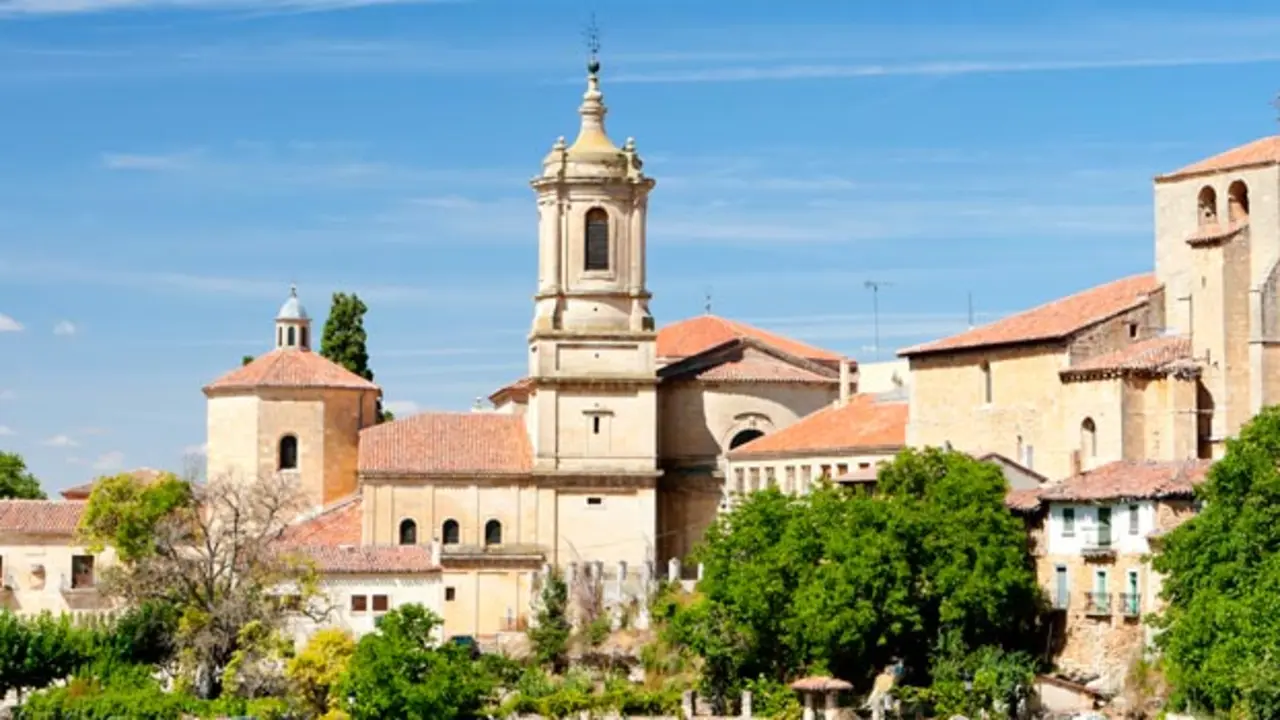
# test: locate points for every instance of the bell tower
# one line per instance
(592, 344)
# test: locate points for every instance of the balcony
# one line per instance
(1098, 546)
(1097, 604)
(1130, 605)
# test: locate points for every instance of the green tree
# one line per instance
(345, 341)
(246, 359)
(35, 652)
(400, 672)
(1220, 626)
(551, 631)
(316, 671)
(846, 582)
(16, 481)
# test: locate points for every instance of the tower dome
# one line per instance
(292, 308)
(293, 326)
(592, 154)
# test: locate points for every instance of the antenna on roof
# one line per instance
(874, 286)
(970, 309)
(707, 306)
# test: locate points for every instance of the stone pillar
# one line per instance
(832, 709)
(686, 705)
(673, 569)
(746, 703)
(808, 707)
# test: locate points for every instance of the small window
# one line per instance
(595, 501)
(450, 534)
(303, 332)
(279, 337)
(450, 594)
(493, 533)
(1207, 206)
(1237, 202)
(1133, 330)
(408, 532)
(359, 603)
(1029, 457)
(986, 383)
(288, 459)
(293, 338)
(1088, 438)
(379, 603)
(595, 425)
(1133, 520)
(597, 240)
(1068, 522)
(81, 571)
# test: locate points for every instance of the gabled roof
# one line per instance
(338, 524)
(1054, 321)
(695, 335)
(1130, 480)
(40, 517)
(748, 359)
(290, 368)
(82, 492)
(447, 444)
(862, 424)
(1157, 356)
(1260, 152)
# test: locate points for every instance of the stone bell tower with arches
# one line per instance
(593, 411)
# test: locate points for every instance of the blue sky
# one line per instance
(168, 167)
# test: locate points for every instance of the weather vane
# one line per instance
(592, 36)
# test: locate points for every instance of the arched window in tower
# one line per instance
(1088, 438)
(597, 239)
(293, 336)
(744, 437)
(449, 533)
(408, 532)
(1207, 205)
(493, 533)
(1238, 202)
(288, 457)
(279, 337)
(302, 339)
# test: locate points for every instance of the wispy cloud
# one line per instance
(402, 408)
(6, 430)
(150, 163)
(64, 328)
(112, 460)
(196, 450)
(61, 441)
(69, 7)
(8, 324)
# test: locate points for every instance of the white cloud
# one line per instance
(402, 408)
(149, 163)
(6, 430)
(61, 441)
(113, 460)
(64, 328)
(201, 449)
(8, 324)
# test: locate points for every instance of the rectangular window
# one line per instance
(842, 470)
(1133, 519)
(1104, 527)
(1028, 457)
(986, 383)
(450, 594)
(597, 501)
(1068, 522)
(791, 478)
(597, 245)
(81, 571)
(770, 479)
(754, 478)
(1061, 589)
(359, 603)
(379, 603)
(740, 481)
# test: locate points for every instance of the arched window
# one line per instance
(450, 532)
(288, 459)
(597, 240)
(1207, 205)
(279, 337)
(744, 437)
(1088, 438)
(302, 331)
(292, 336)
(408, 532)
(1238, 202)
(493, 533)
(987, 390)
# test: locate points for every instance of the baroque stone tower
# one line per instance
(591, 349)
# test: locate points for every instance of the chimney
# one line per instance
(844, 381)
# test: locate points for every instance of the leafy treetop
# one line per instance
(345, 341)
(16, 481)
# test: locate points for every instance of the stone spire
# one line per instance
(591, 133)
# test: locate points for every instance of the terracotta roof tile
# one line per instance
(1057, 320)
(40, 517)
(1214, 233)
(369, 559)
(339, 524)
(763, 368)
(1022, 500)
(1263, 151)
(1130, 479)
(81, 492)
(1152, 355)
(862, 423)
(291, 368)
(690, 337)
(447, 443)
(517, 391)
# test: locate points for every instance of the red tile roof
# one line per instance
(291, 369)
(1022, 500)
(1130, 479)
(861, 424)
(81, 492)
(1057, 320)
(690, 337)
(339, 524)
(1263, 151)
(369, 559)
(1154, 355)
(517, 391)
(447, 443)
(40, 517)
(758, 367)
(1215, 233)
